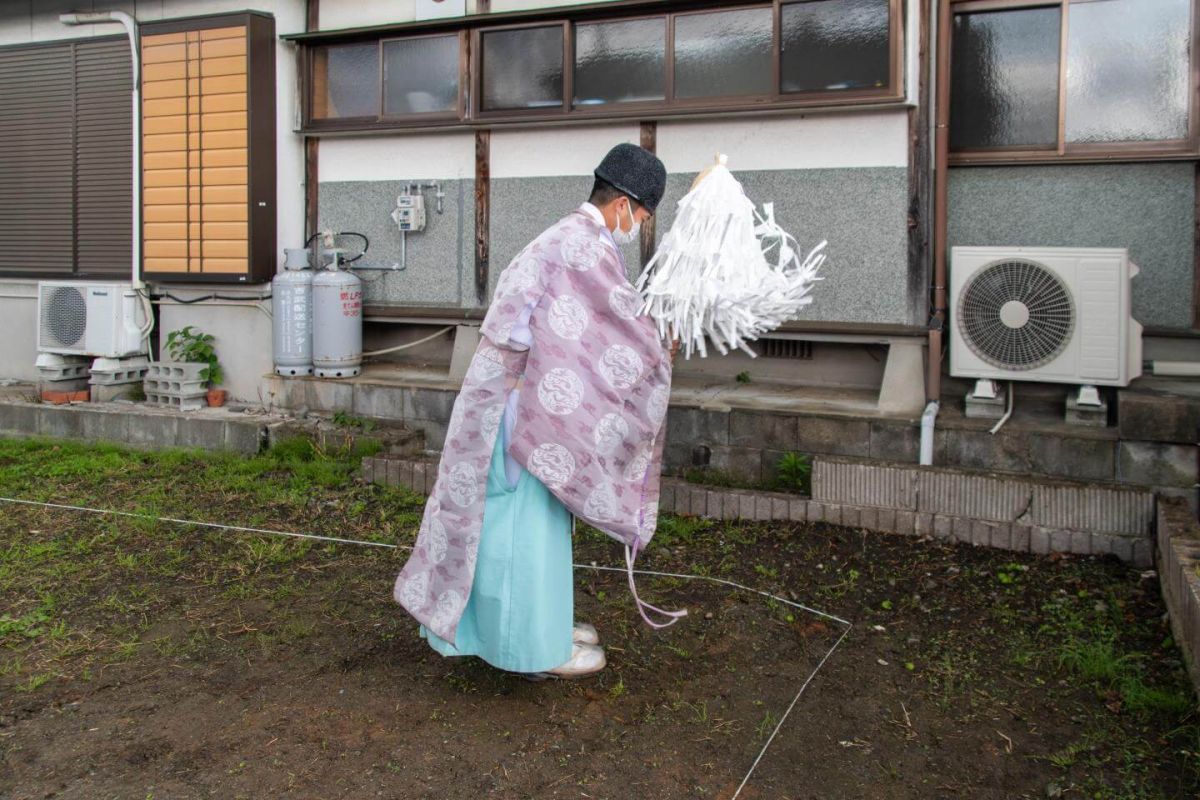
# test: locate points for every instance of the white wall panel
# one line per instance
(398, 158)
(554, 152)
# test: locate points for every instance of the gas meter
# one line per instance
(410, 213)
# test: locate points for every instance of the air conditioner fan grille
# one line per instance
(64, 316)
(1016, 314)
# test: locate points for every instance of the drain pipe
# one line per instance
(131, 30)
(927, 421)
(941, 142)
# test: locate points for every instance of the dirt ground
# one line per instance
(150, 660)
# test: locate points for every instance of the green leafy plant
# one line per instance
(190, 344)
(743, 376)
(793, 472)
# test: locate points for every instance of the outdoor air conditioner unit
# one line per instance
(102, 320)
(1054, 314)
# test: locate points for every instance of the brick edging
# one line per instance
(681, 497)
(1178, 561)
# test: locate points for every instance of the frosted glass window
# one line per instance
(831, 45)
(420, 76)
(346, 81)
(724, 53)
(620, 62)
(1004, 79)
(1128, 70)
(523, 68)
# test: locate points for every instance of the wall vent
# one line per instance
(784, 348)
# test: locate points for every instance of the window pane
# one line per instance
(620, 62)
(1128, 71)
(835, 44)
(523, 68)
(420, 75)
(723, 54)
(1004, 79)
(346, 81)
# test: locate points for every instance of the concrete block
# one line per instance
(101, 425)
(692, 426)
(381, 402)
(762, 508)
(962, 530)
(367, 469)
(906, 522)
(798, 510)
(666, 496)
(833, 436)
(1121, 546)
(922, 523)
(244, 437)
(981, 533)
(154, 430)
(746, 505)
(1156, 464)
(202, 432)
(1086, 416)
(431, 476)
(731, 505)
(868, 518)
(895, 441)
(1143, 555)
(779, 508)
(18, 418)
(832, 514)
(902, 388)
(433, 431)
(327, 397)
(1076, 458)
(1001, 536)
(816, 511)
(943, 527)
(762, 430)
(980, 450)
(1156, 417)
(851, 516)
(1039, 540)
(974, 496)
(402, 475)
(1060, 541)
(1021, 536)
(59, 422)
(466, 341)
(984, 407)
(1092, 508)
(742, 462)
(432, 404)
(107, 393)
(864, 484)
(886, 520)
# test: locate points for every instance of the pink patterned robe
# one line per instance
(589, 421)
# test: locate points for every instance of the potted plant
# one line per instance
(194, 346)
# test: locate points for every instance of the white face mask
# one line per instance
(631, 235)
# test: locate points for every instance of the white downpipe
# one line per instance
(927, 421)
(131, 30)
(1007, 410)
(1177, 369)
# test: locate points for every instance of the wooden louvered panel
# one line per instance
(196, 142)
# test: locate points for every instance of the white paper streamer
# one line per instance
(713, 275)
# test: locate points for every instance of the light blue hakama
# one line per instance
(520, 614)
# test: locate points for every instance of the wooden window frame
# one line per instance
(1064, 152)
(471, 29)
(432, 116)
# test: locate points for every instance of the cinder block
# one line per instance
(1156, 464)
(816, 512)
(103, 426)
(833, 436)
(1121, 547)
(1021, 538)
(851, 516)
(367, 470)
(1081, 543)
(59, 422)
(833, 513)
(923, 523)
(1143, 555)
(666, 495)
(779, 508)
(906, 522)
(886, 520)
(1060, 541)
(418, 477)
(391, 473)
(202, 432)
(431, 476)
(762, 508)
(731, 505)
(746, 505)
(798, 510)
(154, 430)
(943, 527)
(868, 518)
(18, 418)
(895, 442)
(692, 426)
(762, 430)
(243, 437)
(981, 533)
(404, 473)
(1039, 540)
(962, 530)
(1001, 536)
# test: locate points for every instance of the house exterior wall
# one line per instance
(243, 335)
(1148, 208)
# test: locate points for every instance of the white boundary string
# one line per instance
(334, 539)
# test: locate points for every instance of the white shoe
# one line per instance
(585, 634)
(585, 660)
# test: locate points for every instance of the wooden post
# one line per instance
(483, 141)
(648, 242)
